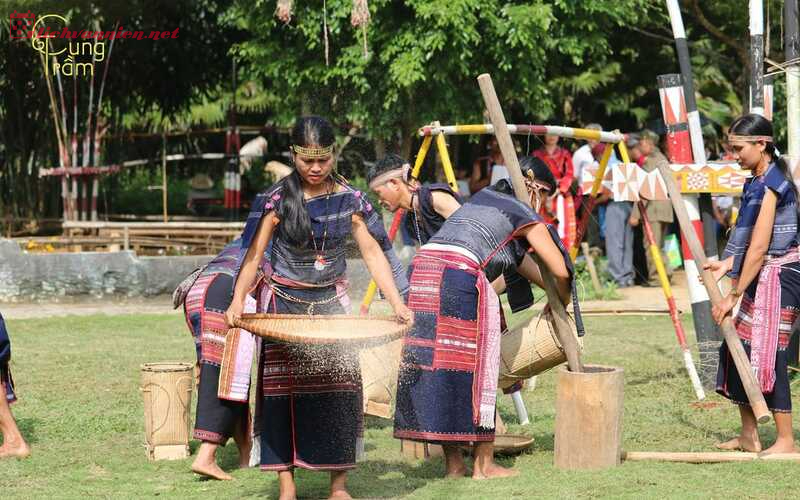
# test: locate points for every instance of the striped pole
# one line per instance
(706, 331)
(769, 92)
(681, 46)
(487, 129)
(757, 57)
(688, 361)
(677, 151)
(673, 109)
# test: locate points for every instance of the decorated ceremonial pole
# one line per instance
(705, 330)
(751, 387)
(561, 323)
(679, 152)
(757, 57)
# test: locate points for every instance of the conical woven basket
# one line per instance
(323, 329)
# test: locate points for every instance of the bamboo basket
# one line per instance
(324, 329)
(379, 368)
(167, 390)
(530, 350)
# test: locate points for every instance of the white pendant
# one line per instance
(319, 263)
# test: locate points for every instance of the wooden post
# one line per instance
(562, 326)
(754, 395)
(589, 418)
(126, 239)
(590, 266)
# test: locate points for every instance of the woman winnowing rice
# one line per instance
(449, 368)
(763, 259)
(311, 398)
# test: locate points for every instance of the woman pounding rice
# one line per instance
(222, 412)
(449, 370)
(763, 259)
(429, 204)
(311, 397)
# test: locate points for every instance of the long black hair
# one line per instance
(295, 222)
(541, 172)
(753, 124)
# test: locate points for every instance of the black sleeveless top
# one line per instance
(427, 218)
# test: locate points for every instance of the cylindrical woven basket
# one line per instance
(530, 350)
(324, 329)
(167, 390)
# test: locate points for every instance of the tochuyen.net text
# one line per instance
(119, 33)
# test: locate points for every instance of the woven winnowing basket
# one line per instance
(530, 350)
(324, 329)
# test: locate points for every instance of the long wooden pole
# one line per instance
(562, 326)
(754, 395)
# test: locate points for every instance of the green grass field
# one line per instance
(82, 412)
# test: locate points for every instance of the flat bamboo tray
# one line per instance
(509, 444)
(324, 329)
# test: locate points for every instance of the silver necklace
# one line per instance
(416, 220)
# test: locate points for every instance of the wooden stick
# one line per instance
(754, 395)
(689, 457)
(590, 266)
(705, 457)
(562, 326)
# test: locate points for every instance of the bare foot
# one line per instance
(786, 446)
(339, 494)
(18, 451)
(751, 444)
(493, 471)
(210, 470)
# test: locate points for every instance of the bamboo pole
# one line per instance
(590, 266)
(562, 327)
(488, 129)
(700, 457)
(754, 395)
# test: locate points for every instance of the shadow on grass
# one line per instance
(27, 426)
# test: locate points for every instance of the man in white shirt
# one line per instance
(582, 157)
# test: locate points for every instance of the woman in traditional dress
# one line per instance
(450, 362)
(563, 205)
(763, 260)
(428, 205)
(14, 444)
(222, 409)
(311, 412)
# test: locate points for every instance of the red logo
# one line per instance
(21, 24)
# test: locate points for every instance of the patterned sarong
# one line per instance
(448, 377)
(767, 319)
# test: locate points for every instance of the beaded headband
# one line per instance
(313, 152)
(749, 138)
(397, 173)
